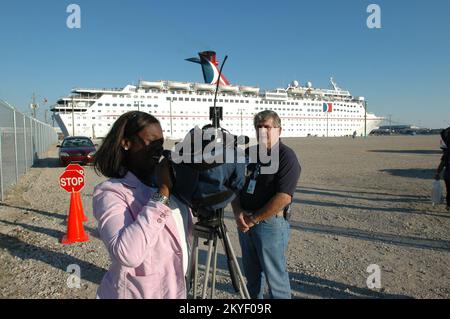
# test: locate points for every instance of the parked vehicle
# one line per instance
(76, 149)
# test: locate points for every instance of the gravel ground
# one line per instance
(359, 202)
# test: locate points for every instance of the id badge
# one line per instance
(251, 187)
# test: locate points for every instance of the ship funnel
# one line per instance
(209, 63)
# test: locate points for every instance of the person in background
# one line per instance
(444, 165)
(262, 212)
(145, 230)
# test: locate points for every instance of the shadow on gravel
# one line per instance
(58, 260)
(412, 172)
(329, 289)
(391, 239)
(56, 234)
(92, 231)
(300, 189)
(51, 162)
(373, 208)
(332, 193)
(420, 152)
(303, 283)
(222, 270)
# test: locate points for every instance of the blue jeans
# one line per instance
(263, 258)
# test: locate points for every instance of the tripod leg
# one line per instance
(213, 283)
(208, 266)
(195, 255)
(243, 287)
(190, 269)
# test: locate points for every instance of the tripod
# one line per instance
(212, 230)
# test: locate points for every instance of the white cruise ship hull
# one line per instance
(180, 106)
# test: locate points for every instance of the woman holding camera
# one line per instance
(145, 230)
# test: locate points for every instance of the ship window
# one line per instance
(168, 98)
(204, 100)
(175, 99)
(129, 105)
(107, 104)
(122, 105)
(100, 104)
(192, 100)
(114, 104)
(186, 99)
(209, 100)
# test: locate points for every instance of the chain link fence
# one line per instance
(22, 140)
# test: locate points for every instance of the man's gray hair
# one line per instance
(264, 115)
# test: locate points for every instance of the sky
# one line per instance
(402, 68)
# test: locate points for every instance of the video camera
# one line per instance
(209, 167)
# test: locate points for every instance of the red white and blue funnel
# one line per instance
(210, 68)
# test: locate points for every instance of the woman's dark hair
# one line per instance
(110, 156)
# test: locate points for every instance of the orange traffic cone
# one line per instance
(75, 230)
(80, 206)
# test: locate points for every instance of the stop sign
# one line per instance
(75, 167)
(71, 181)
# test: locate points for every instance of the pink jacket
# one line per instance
(142, 241)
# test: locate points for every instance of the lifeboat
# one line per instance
(204, 87)
(249, 89)
(179, 86)
(151, 85)
(229, 88)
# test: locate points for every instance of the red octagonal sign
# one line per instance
(71, 181)
(75, 167)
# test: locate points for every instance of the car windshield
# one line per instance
(77, 142)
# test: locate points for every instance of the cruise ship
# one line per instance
(180, 106)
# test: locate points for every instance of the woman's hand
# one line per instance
(164, 177)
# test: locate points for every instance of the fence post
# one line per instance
(25, 141)
(1, 167)
(15, 146)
